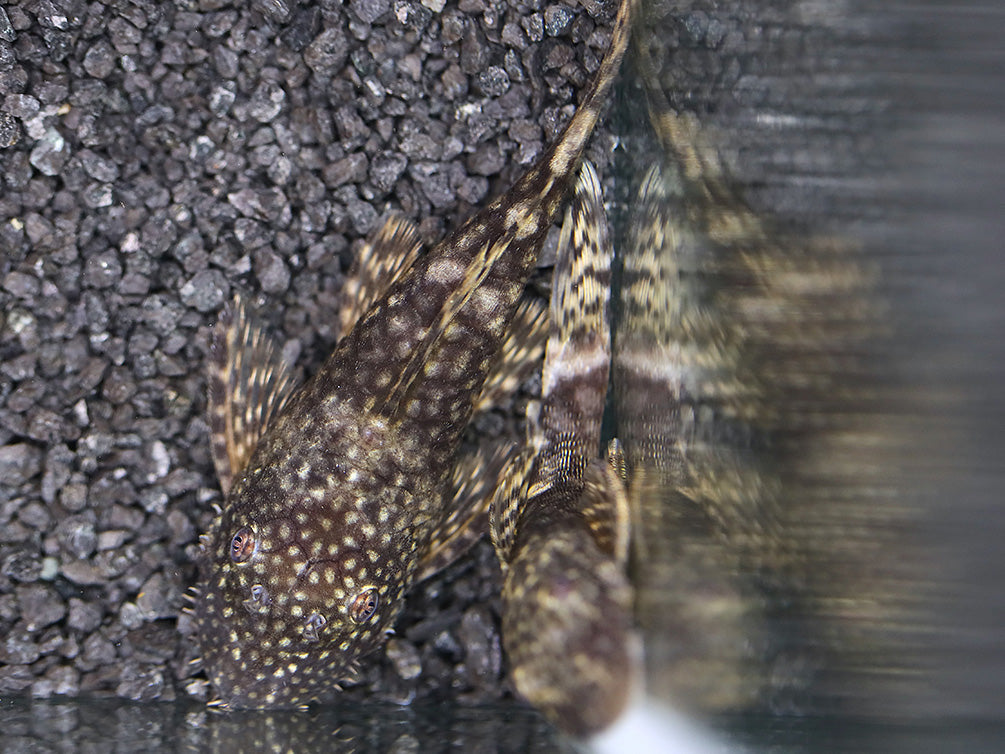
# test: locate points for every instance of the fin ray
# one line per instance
(249, 383)
(471, 482)
(387, 253)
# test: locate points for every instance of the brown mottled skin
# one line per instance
(332, 515)
(559, 516)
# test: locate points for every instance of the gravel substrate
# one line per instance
(156, 157)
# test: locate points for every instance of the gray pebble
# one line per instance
(58, 462)
(98, 651)
(272, 273)
(182, 529)
(277, 10)
(557, 56)
(21, 285)
(118, 386)
(369, 10)
(475, 53)
(158, 598)
(482, 653)
(59, 680)
(557, 19)
(73, 496)
(493, 81)
(76, 536)
(102, 270)
(10, 131)
(533, 25)
(386, 169)
(35, 515)
(130, 616)
(350, 169)
(437, 190)
(421, 147)
(448, 646)
(281, 170)
(455, 83)
(6, 30)
(84, 616)
(40, 606)
(218, 24)
(266, 102)
(221, 99)
(22, 106)
(19, 463)
(362, 215)
(226, 62)
(269, 205)
(487, 160)
(473, 190)
(206, 291)
(83, 572)
(109, 540)
(350, 126)
(154, 500)
(251, 234)
(50, 153)
(303, 28)
(98, 167)
(161, 314)
(327, 53)
(23, 564)
(140, 683)
(97, 195)
(20, 367)
(99, 60)
(19, 648)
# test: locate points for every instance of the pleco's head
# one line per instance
(287, 605)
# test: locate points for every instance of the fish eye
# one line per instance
(243, 545)
(364, 604)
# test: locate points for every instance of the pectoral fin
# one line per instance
(249, 383)
(474, 477)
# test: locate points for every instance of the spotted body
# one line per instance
(340, 501)
(559, 517)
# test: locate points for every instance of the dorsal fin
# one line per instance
(386, 254)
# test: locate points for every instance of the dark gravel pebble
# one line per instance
(493, 81)
(83, 616)
(328, 51)
(10, 132)
(19, 462)
(206, 291)
(22, 564)
(40, 605)
(558, 19)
